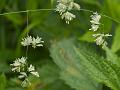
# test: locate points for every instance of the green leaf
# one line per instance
(15, 18)
(112, 9)
(2, 4)
(49, 77)
(116, 40)
(87, 37)
(3, 67)
(92, 2)
(49, 73)
(80, 62)
(73, 73)
(112, 57)
(14, 88)
(99, 69)
(57, 85)
(2, 82)
(31, 4)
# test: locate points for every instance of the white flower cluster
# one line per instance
(21, 66)
(95, 21)
(34, 42)
(64, 7)
(99, 38)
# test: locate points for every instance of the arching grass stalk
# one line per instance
(38, 10)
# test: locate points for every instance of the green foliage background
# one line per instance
(69, 60)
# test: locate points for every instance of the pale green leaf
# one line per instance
(112, 57)
(78, 62)
(112, 9)
(73, 72)
(87, 37)
(116, 40)
(49, 73)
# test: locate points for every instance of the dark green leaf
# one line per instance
(2, 82)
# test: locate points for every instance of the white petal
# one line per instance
(31, 68)
(35, 73)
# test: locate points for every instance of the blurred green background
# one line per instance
(49, 26)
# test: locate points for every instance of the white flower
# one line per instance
(16, 69)
(70, 6)
(95, 18)
(22, 75)
(64, 7)
(68, 17)
(26, 41)
(64, 1)
(108, 35)
(76, 6)
(73, 5)
(18, 64)
(35, 73)
(22, 60)
(100, 39)
(37, 42)
(31, 68)
(95, 21)
(23, 69)
(61, 8)
(94, 27)
(34, 42)
(25, 83)
(104, 35)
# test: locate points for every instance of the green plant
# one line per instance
(66, 61)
